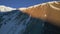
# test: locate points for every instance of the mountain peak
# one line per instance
(5, 8)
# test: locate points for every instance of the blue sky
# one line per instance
(21, 3)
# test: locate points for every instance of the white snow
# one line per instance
(6, 9)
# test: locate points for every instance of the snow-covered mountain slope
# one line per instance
(41, 4)
(49, 11)
(6, 9)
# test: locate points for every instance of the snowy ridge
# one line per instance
(34, 6)
(43, 4)
(6, 9)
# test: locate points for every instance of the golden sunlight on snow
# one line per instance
(49, 11)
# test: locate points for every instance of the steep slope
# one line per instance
(49, 11)
(17, 22)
